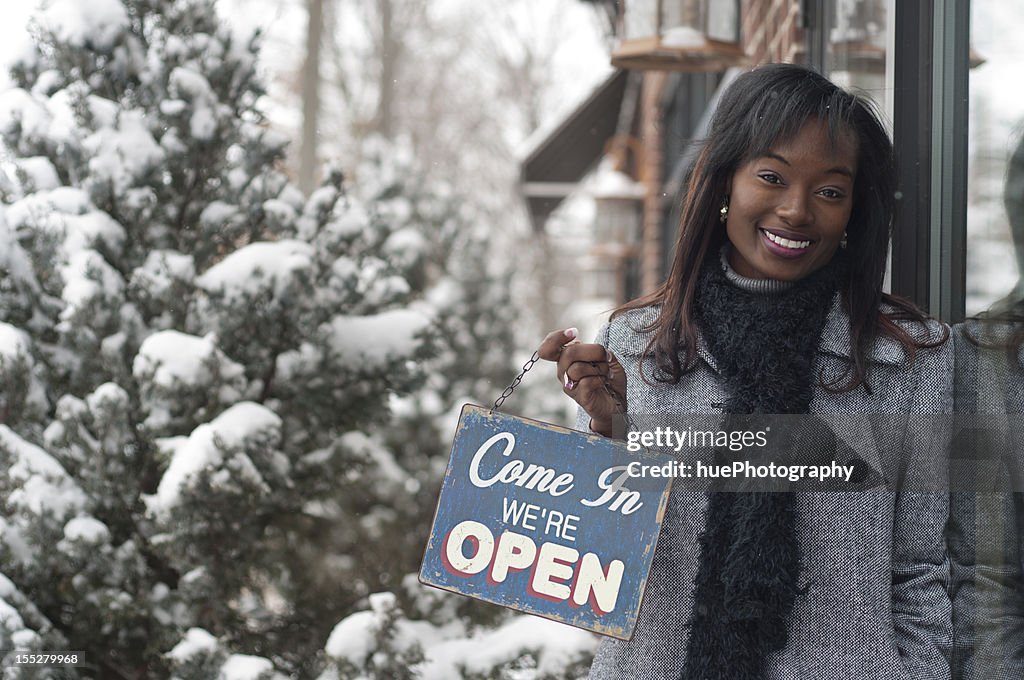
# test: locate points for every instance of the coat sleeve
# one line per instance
(920, 568)
(984, 536)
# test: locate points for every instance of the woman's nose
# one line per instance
(794, 208)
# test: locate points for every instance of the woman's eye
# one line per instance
(831, 193)
(770, 177)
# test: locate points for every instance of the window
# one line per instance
(995, 170)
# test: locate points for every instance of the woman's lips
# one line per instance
(790, 247)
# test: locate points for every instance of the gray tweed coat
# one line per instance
(986, 528)
(874, 569)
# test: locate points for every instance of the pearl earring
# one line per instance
(723, 214)
(842, 243)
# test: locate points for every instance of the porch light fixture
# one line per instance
(679, 35)
(619, 202)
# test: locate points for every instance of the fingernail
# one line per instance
(609, 355)
(571, 333)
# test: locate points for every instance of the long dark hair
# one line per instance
(1001, 326)
(761, 108)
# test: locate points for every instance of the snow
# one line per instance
(16, 351)
(354, 638)
(7, 587)
(108, 396)
(383, 463)
(14, 260)
(61, 117)
(450, 653)
(555, 643)
(105, 112)
(172, 357)
(244, 667)
(87, 529)
(607, 182)
(9, 618)
(90, 230)
(405, 246)
(40, 173)
(279, 210)
(87, 277)
(344, 268)
(353, 221)
(41, 484)
(161, 270)
(16, 44)
(48, 82)
(243, 424)
(172, 107)
(12, 537)
(683, 37)
(65, 200)
(197, 641)
(14, 344)
(321, 199)
(190, 85)
(298, 362)
(257, 266)
(374, 341)
(125, 154)
(216, 213)
(18, 107)
(25, 639)
(68, 200)
(98, 22)
(203, 123)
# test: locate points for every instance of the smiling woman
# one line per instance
(787, 211)
(774, 305)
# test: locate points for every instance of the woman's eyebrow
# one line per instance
(772, 154)
(835, 170)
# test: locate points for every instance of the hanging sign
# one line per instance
(546, 520)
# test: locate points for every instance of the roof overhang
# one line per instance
(555, 166)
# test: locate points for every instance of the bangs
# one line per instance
(769, 105)
(778, 117)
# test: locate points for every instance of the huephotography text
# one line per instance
(742, 470)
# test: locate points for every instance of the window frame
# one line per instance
(930, 125)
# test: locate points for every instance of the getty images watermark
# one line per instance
(735, 440)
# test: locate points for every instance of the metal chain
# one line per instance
(529, 364)
(618, 402)
(515, 383)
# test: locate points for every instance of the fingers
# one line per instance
(588, 392)
(588, 372)
(553, 343)
(578, 370)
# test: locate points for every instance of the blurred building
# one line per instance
(631, 141)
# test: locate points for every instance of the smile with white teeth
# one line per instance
(785, 242)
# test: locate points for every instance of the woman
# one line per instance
(774, 305)
(985, 534)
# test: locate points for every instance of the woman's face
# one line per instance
(788, 209)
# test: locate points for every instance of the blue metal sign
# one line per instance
(545, 520)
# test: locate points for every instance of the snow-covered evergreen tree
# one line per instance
(224, 405)
(197, 361)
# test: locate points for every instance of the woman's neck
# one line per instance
(760, 286)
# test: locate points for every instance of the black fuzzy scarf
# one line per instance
(764, 345)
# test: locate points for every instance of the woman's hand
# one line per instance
(589, 374)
